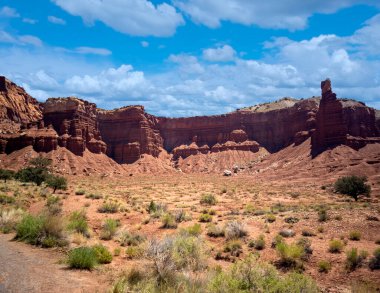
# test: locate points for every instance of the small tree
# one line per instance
(40, 162)
(31, 174)
(56, 182)
(353, 186)
(6, 174)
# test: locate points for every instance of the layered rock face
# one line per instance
(129, 132)
(74, 120)
(343, 122)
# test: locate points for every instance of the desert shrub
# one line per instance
(205, 218)
(109, 207)
(37, 171)
(93, 196)
(277, 240)
(54, 205)
(374, 262)
(306, 245)
(287, 233)
(156, 209)
(208, 199)
(56, 182)
(103, 255)
(354, 235)
(353, 186)
(133, 252)
(41, 230)
(168, 221)
(215, 231)
(260, 243)
(335, 246)
(270, 218)
(249, 208)
(83, 258)
(78, 223)
(355, 259)
(9, 219)
(181, 216)
(117, 251)
(235, 230)
(250, 275)
(323, 215)
(109, 228)
(6, 174)
(291, 255)
(5, 199)
(307, 233)
(291, 220)
(194, 230)
(127, 238)
(80, 192)
(324, 266)
(188, 252)
(233, 247)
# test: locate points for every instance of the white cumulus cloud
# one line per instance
(220, 54)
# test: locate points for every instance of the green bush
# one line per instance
(354, 235)
(103, 255)
(109, 228)
(250, 275)
(260, 243)
(208, 199)
(194, 230)
(355, 259)
(156, 209)
(9, 219)
(78, 222)
(56, 182)
(80, 192)
(133, 252)
(324, 266)
(109, 207)
(323, 215)
(168, 221)
(291, 255)
(270, 218)
(234, 247)
(5, 199)
(128, 239)
(335, 246)
(374, 262)
(83, 258)
(205, 218)
(188, 252)
(6, 174)
(41, 230)
(30, 229)
(353, 186)
(37, 171)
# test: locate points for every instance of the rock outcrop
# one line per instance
(75, 122)
(129, 133)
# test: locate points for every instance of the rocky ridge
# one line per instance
(128, 134)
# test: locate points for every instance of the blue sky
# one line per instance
(191, 57)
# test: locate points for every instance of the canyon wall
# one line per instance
(126, 134)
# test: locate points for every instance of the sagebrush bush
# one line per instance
(109, 229)
(83, 258)
(208, 199)
(354, 235)
(353, 186)
(215, 231)
(260, 243)
(109, 207)
(9, 219)
(234, 247)
(188, 252)
(133, 252)
(127, 238)
(374, 262)
(324, 266)
(335, 246)
(354, 259)
(80, 192)
(235, 230)
(205, 218)
(168, 221)
(194, 230)
(78, 223)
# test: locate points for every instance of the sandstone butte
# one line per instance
(129, 134)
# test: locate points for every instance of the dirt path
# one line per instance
(24, 268)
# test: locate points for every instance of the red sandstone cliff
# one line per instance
(128, 133)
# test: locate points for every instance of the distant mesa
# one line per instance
(129, 133)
